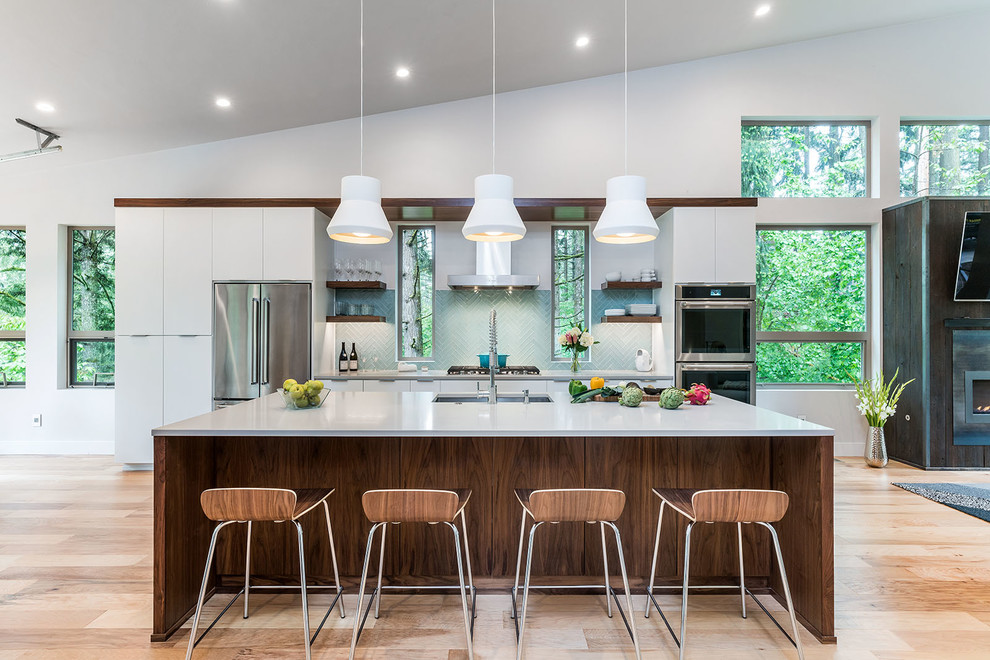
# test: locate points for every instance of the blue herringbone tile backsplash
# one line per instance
(461, 329)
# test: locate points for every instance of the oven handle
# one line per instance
(717, 366)
(735, 304)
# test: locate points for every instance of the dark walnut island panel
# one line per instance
(360, 441)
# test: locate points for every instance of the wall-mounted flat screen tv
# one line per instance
(973, 278)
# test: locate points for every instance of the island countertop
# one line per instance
(385, 414)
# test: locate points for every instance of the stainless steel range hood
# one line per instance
(493, 270)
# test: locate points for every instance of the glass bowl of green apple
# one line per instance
(303, 396)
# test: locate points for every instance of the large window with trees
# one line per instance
(812, 304)
(805, 158)
(91, 307)
(570, 283)
(945, 158)
(13, 306)
(416, 263)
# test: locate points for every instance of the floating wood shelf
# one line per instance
(355, 284)
(355, 319)
(632, 319)
(631, 285)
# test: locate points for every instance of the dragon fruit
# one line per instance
(698, 395)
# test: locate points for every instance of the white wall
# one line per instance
(561, 140)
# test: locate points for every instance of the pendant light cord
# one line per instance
(493, 86)
(625, 87)
(361, 140)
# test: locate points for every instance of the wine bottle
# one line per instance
(343, 364)
(354, 364)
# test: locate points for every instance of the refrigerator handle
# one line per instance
(266, 319)
(255, 312)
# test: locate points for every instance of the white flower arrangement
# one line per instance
(576, 339)
(878, 398)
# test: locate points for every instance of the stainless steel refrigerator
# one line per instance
(262, 335)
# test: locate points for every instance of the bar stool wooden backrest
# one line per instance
(576, 504)
(248, 504)
(410, 505)
(741, 505)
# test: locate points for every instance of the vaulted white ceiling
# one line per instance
(130, 76)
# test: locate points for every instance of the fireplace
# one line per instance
(971, 387)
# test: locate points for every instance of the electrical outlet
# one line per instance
(803, 418)
(36, 420)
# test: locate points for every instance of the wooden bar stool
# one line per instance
(411, 505)
(588, 505)
(739, 506)
(249, 505)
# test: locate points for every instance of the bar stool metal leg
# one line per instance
(742, 572)
(302, 582)
(470, 573)
(381, 566)
(515, 585)
(656, 549)
(608, 599)
(787, 589)
(359, 618)
(468, 621)
(333, 559)
(247, 571)
(529, 567)
(202, 588)
(625, 585)
(684, 590)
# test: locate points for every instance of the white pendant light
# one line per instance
(626, 217)
(494, 217)
(360, 217)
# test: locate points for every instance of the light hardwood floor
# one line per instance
(912, 581)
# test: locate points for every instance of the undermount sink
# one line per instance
(502, 398)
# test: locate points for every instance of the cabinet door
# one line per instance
(694, 245)
(237, 244)
(345, 385)
(288, 244)
(188, 258)
(137, 396)
(424, 386)
(507, 385)
(139, 271)
(735, 245)
(188, 382)
(463, 385)
(386, 386)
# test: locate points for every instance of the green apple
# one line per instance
(315, 386)
(301, 403)
(314, 399)
(297, 391)
(289, 383)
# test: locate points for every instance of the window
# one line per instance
(812, 306)
(13, 305)
(91, 307)
(416, 260)
(945, 158)
(570, 284)
(805, 159)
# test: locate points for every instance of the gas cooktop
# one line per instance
(504, 371)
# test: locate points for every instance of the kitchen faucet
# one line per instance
(492, 358)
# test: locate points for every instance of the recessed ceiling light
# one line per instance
(402, 72)
(222, 102)
(762, 10)
(582, 41)
(44, 106)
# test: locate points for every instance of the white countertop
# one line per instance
(406, 414)
(439, 374)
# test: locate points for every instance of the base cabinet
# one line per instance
(138, 396)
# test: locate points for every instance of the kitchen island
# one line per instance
(361, 440)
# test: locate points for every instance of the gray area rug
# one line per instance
(973, 499)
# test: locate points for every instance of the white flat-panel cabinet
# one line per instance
(344, 385)
(463, 385)
(238, 237)
(188, 381)
(735, 245)
(386, 386)
(558, 386)
(139, 266)
(509, 385)
(424, 386)
(288, 251)
(138, 396)
(694, 249)
(188, 267)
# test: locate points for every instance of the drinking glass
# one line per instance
(349, 269)
(378, 270)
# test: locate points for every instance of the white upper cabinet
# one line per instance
(139, 271)
(237, 244)
(188, 271)
(735, 245)
(694, 245)
(288, 237)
